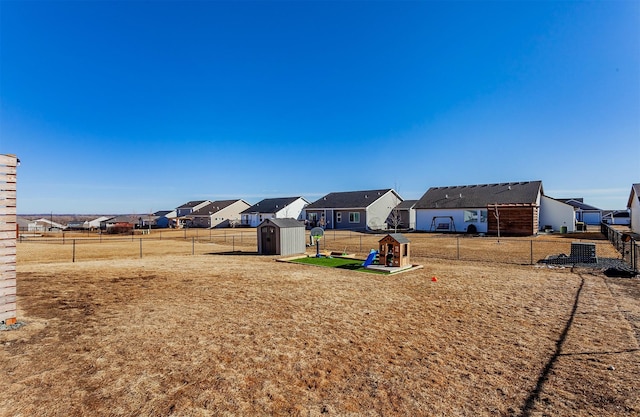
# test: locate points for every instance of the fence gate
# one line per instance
(8, 235)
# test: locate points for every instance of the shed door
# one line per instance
(269, 241)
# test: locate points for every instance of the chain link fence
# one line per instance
(75, 247)
(625, 242)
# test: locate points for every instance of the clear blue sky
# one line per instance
(132, 107)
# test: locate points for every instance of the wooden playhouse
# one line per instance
(394, 250)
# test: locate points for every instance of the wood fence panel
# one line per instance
(8, 219)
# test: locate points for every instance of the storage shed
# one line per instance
(394, 250)
(281, 237)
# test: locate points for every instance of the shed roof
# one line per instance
(482, 195)
(398, 237)
(271, 205)
(349, 199)
(284, 223)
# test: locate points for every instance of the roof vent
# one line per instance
(446, 196)
(509, 187)
(366, 196)
(460, 195)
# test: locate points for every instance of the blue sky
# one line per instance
(132, 107)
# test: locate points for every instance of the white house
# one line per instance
(95, 223)
(634, 207)
(556, 215)
(584, 212)
(619, 217)
(274, 208)
(510, 208)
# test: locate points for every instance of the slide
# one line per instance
(370, 258)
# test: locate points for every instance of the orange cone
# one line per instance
(434, 279)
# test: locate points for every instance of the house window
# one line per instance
(470, 216)
(339, 217)
(312, 217)
(354, 217)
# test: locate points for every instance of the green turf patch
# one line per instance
(342, 263)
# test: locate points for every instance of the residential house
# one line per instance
(44, 225)
(274, 208)
(634, 207)
(585, 213)
(353, 210)
(188, 208)
(403, 216)
(23, 224)
(556, 215)
(619, 217)
(509, 208)
(162, 219)
(224, 213)
(95, 224)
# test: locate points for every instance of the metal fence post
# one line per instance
(233, 243)
(458, 246)
(193, 245)
(140, 248)
(531, 252)
(73, 257)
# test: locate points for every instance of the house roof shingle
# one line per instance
(270, 205)
(349, 199)
(191, 204)
(578, 204)
(213, 207)
(482, 195)
(406, 204)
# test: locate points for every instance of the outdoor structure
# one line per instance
(403, 216)
(585, 213)
(8, 237)
(634, 208)
(353, 210)
(223, 213)
(556, 216)
(511, 208)
(186, 209)
(274, 208)
(281, 237)
(620, 217)
(394, 250)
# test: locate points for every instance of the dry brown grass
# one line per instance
(213, 334)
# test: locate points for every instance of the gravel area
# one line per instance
(16, 326)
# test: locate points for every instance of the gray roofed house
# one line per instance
(403, 216)
(584, 212)
(273, 208)
(473, 208)
(190, 206)
(220, 213)
(353, 210)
